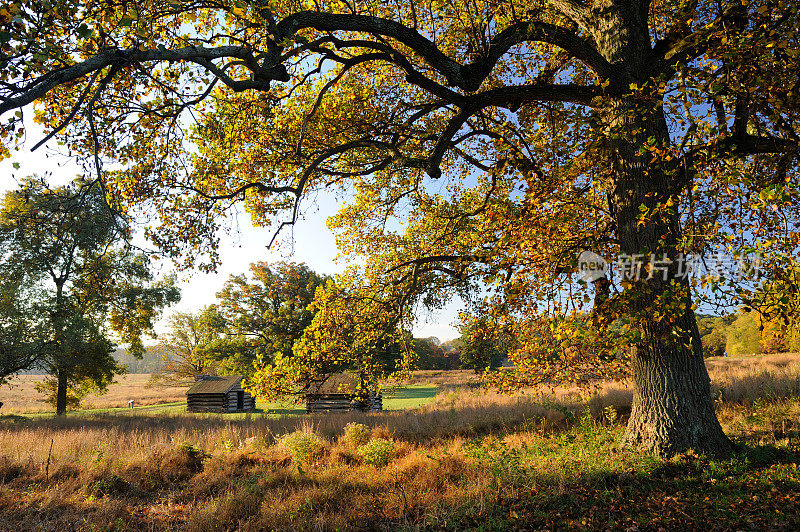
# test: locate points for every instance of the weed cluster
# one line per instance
(302, 445)
(378, 452)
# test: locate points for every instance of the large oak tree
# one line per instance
(488, 140)
(268, 309)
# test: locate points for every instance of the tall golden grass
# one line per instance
(452, 413)
(215, 473)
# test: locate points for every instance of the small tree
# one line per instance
(713, 332)
(183, 347)
(428, 354)
(714, 343)
(75, 250)
(484, 344)
(351, 332)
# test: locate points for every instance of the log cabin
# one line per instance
(212, 393)
(340, 393)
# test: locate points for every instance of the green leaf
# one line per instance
(83, 31)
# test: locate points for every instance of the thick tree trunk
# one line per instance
(673, 410)
(61, 393)
(672, 407)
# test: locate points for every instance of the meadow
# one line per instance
(466, 459)
(20, 395)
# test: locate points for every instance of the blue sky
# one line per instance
(310, 241)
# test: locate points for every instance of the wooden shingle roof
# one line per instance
(215, 384)
(337, 383)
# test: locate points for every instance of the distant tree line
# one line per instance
(746, 333)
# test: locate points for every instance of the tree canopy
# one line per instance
(86, 282)
(182, 346)
(350, 332)
(265, 313)
(484, 345)
(23, 334)
(479, 142)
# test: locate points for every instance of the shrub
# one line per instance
(182, 462)
(301, 444)
(107, 485)
(356, 434)
(378, 452)
(166, 464)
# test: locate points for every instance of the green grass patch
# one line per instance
(412, 396)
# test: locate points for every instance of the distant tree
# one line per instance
(775, 338)
(484, 344)
(713, 332)
(433, 340)
(777, 304)
(75, 251)
(265, 313)
(452, 345)
(452, 353)
(750, 330)
(744, 335)
(714, 343)
(150, 363)
(428, 353)
(184, 346)
(351, 332)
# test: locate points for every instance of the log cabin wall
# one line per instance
(342, 402)
(219, 395)
(207, 402)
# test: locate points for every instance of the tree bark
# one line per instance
(61, 393)
(61, 360)
(673, 410)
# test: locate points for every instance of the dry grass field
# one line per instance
(20, 395)
(467, 460)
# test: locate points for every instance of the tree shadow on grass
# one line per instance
(756, 488)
